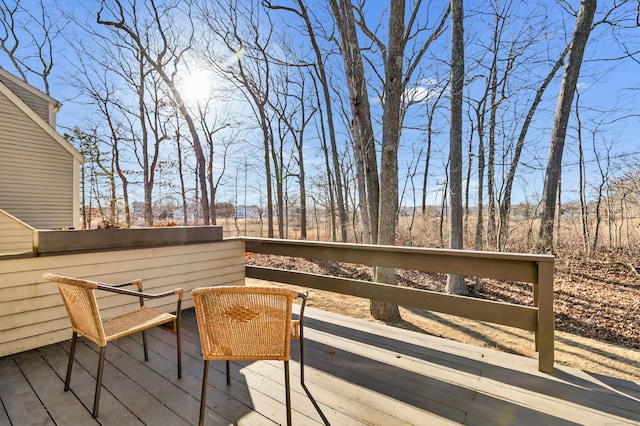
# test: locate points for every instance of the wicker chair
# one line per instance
(80, 301)
(247, 323)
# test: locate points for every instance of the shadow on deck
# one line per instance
(359, 373)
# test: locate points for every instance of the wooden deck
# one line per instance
(358, 372)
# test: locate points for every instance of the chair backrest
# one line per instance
(80, 301)
(244, 323)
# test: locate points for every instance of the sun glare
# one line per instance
(197, 87)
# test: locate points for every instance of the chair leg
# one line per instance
(228, 372)
(203, 394)
(179, 349)
(144, 346)
(72, 352)
(301, 358)
(311, 398)
(96, 399)
(287, 389)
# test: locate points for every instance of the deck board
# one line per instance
(46, 385)
(22, 404)
(360, 373)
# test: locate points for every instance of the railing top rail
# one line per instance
(502, 266)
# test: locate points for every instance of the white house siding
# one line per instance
(16, 236)
(37, 101)
(36, 177)
(31, 310)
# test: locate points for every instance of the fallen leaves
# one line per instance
(593, 299)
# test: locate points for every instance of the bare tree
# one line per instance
(28, 36)
(296, 118)
(505, 204)
(211, 125)
(162, 44)
(394, 83)
(456, 283)
(88, 147)
(391, 126)
(361, 128)
(246, 40)
(178, 137)
(584, 21)
(303, 11)
(584, 211)
(431, 130)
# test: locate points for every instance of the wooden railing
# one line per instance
(534, 269)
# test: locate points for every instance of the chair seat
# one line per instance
(134, 322)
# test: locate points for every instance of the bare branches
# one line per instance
(28, 36)
(9, 40)
(154, 50)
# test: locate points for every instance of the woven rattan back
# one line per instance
(80, 301)
(244, 323)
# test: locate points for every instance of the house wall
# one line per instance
(36, 177)
(36, 100)
(16, 236)
(31, 310)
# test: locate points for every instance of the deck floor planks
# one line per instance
(21, 403)
(358, 372)
(47, 386)
(181, 396)
(374, 409)
(82, 387)
(502, 376)
(392, 383)
(4, 417)
(489, 410)
(265, 396)
(124, 389)
(219, 395)
(338, 399)
(363, 404)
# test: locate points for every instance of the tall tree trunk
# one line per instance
(393, 88)
(362, 193)
(183, 190)
(579, 39)
(303, 196)
(455, 283)
(327, 165)
(361, 128)
(479, 237)
(339, 191)
(505, 205)
(584, 211)
(144, 136)
(430, 118)
(491, 158)
(467, 186)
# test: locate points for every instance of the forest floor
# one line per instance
(596, 305)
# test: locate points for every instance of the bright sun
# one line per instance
(197, 87)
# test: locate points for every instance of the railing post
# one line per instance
(546, 320)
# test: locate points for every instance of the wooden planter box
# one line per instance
(51, 242)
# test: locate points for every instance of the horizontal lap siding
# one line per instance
(15, 237)
(31, 310)
(36, 177)
(35, 102)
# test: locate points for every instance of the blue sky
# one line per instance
(608, 93)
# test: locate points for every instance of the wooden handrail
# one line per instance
(534, 269)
